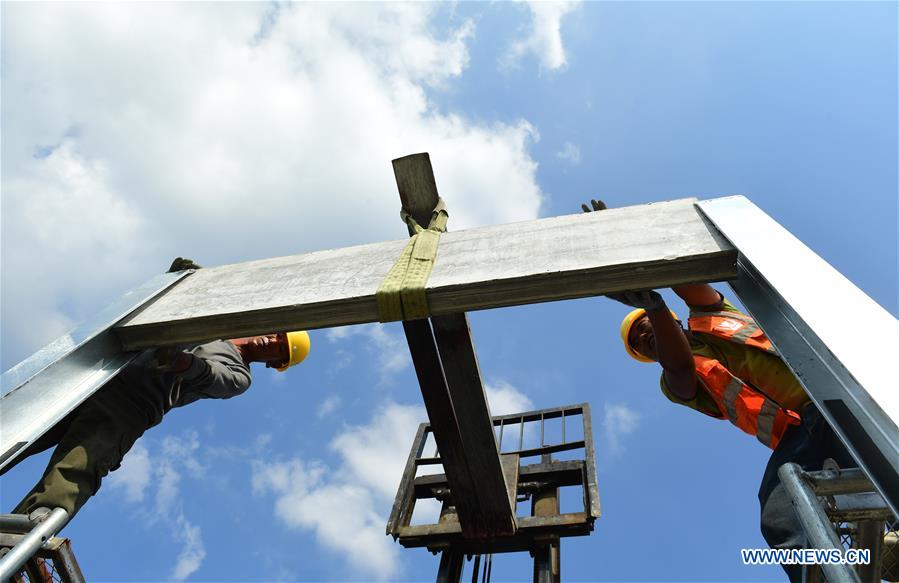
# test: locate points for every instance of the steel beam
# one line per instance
(839, 343)
(42, 389)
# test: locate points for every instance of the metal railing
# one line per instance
(840, 509)
(31, 553)
(536, 435)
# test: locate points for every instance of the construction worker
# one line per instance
(724, 366)
(92, 440)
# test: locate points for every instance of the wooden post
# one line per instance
(461, 417)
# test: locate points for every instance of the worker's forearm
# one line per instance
(674, 354)
(700, 294)
(672, 346)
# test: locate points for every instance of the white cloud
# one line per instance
(263, 439)
(168, 488)
(375, 454)
(504, 399)
(328, 406)
(356, 494)
(192, 553)
(134, 475)
(183, 449)
(345, 507)
(393, 353)
(389, 349)
(619, 421)
(569, 153)
(275, 122)
(544, 39)
(142, 471)
(38, 208)
(274, 476)
(427, 510)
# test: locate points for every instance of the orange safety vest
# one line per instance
(747, 407)
(733, 327)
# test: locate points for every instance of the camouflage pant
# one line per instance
(90, 443)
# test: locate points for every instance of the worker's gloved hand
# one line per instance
(649, 300)
(169, 359)
(181, 263)
(597, 205)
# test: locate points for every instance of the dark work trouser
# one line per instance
(807, 445)
(91, 442)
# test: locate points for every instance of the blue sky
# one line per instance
(135, 133)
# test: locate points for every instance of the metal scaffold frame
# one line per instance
(526, 443)
(850, 498)
(22, 537)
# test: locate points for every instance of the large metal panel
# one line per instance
(840, 344)
(45, 387)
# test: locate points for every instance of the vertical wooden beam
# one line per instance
(439, 406)
(460, 365)
(478, 456)
(417, 185)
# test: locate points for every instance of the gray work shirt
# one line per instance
(217, 372)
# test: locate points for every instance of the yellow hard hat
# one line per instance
(299, 344)
(626, 326)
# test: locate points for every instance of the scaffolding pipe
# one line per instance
(15, 523)
(843, 481)
(31, 542)
(814, 520)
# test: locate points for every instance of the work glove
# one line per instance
(649, 300)
(597, 205)
(181, 263)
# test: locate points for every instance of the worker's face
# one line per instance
(272, 349)
(642, 339)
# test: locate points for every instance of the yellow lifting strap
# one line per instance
(401, 296)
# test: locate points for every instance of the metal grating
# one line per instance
(889, 551)
(53, 563)
(860, 519)
(40, 571)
